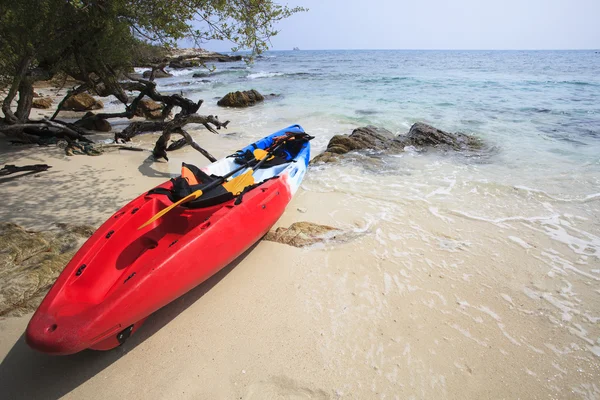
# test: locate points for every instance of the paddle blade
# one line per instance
(239, 183)
(162, 212)
(259, 154)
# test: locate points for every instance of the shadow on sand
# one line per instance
(27, 374)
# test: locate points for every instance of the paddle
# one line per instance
(235, 185)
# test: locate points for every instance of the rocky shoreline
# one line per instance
(421, 136)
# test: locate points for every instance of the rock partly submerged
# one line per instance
(189, 58)
(303, 234)
(30, 262)
(421, 136)
(159, 73)
(241, 99)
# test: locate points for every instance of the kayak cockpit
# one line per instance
(125, 250)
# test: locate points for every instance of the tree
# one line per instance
(98, 41)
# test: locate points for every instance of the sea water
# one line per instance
(491, 260)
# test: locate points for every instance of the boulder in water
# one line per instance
(241, 99)
(423, 135)
(372, 138)
(177, 64)
(158, 74)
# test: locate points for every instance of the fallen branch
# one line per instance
(160, 148)
(43, 127)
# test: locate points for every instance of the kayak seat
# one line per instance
(276, 159)
(193, 178)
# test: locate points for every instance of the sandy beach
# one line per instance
(429, 300)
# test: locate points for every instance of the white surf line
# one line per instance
(520, 242)
(442, 190)
(588, 198)
(500, 221)
(556, 231)
(435, 212)
(565, 265)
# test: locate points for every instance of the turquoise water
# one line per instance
(545, 102)
(538, 110)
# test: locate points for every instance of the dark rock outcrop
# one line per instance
(423, 135)
(159, 73)
(189, 58)
(178, 64)
(302, 234)
(372, 138)
(42, 102)
(82, 102)
(241, 99)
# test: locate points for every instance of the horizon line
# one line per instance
(417, 49)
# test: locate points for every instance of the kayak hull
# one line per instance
(121, 275)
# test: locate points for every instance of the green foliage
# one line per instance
(102, 37)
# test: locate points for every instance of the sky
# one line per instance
(438, 24)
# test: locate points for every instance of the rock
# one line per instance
(225, 58)
(149, 109)
(423, 135)
(94, 124)
(302, 234)
(30, 262)
(241, 99)
(82, 102)
(44, 102)
(369, 137)
(178, 64)
(273, 96)
(372, 138)
(158, 74)
(325, 157)
(156, 114)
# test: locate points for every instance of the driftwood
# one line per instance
(31, 131)
(13, 169)
(34, 131)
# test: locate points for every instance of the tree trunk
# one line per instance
(25, 100)
(20, 74)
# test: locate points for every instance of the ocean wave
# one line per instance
(263, 74)
(385, 79)
(550, 82)
(180, 72)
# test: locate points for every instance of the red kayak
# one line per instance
(122, 274)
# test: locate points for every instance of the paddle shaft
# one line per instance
(223, 178)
